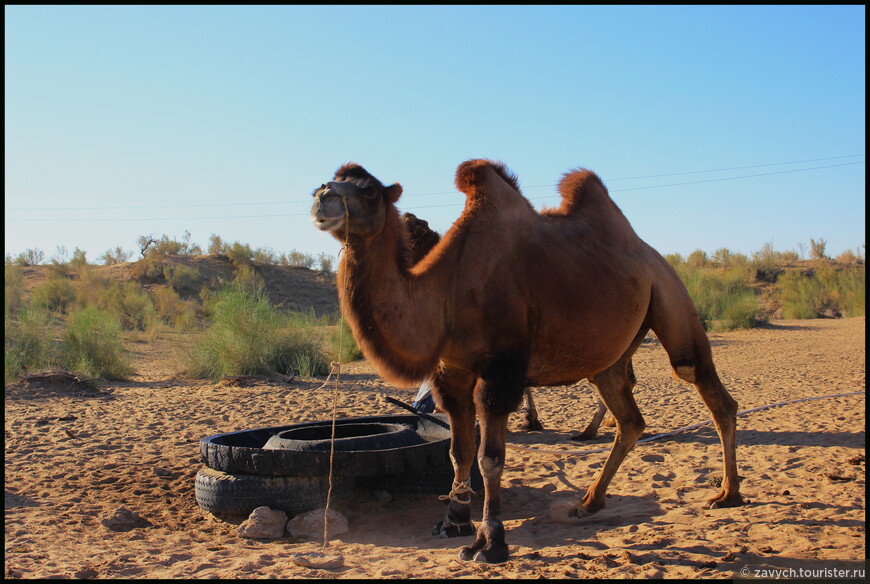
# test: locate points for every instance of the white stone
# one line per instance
(310, 524)
(264, 523)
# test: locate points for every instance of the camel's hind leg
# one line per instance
(591, 430)
(615, 385)
(531, 421)
(684, 339)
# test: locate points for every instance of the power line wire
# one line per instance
(197, 205)
(452, 204)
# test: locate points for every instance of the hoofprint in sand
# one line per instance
(74, 457)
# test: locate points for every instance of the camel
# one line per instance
(511, 297)
(422, 240)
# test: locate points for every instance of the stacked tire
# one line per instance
(288, 467)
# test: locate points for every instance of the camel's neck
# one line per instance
(397, 317)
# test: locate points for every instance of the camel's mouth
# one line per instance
(329, 211)
(328, 223)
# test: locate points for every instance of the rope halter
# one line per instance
(459, 488)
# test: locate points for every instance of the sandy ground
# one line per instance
(72, 458)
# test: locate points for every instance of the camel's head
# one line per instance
(353, 203)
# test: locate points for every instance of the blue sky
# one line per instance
(712, 126)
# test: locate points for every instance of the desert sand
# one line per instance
(75, 456)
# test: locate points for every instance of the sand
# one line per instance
(74, 457)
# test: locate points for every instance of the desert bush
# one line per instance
(92, 345)
(150, 269)
(89, 286)
(802, 296)
(852, 292)
(57, 294)
(675, 259)
(248, 337)
(248, 277)
(697, 259)
(181, 314)
(297, 259)
(343, 344)
(850, 257)
(14, 288)
(118, 255)
(30, 257)
(240, 254)
(724, 300)
(79, 259)
(29, 342)
(265, 255)
(215, 245)
(817, 249)
(131, 304)
(182, 278)
(326, 262)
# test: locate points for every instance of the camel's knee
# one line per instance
(490, 467)
(630, 427)
(685, 371)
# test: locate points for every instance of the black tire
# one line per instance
(236, 494)
(348, 437)
(243, 452)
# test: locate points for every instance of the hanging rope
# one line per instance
(683, 429)
(337, 365)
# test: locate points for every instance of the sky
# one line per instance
(712, 126)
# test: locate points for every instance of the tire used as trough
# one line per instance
(399, 454)
(387, 450)
(233, 494)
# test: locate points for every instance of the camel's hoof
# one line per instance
(453, 530)
(569, 512)
(584, 436)
(722, 500)
(491, 555)
(535, 426)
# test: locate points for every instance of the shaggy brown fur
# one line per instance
(510, 298)
(423, 239)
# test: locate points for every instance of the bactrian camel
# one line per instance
(511, 298)
(422, 240)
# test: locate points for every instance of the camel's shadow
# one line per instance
(525, 511)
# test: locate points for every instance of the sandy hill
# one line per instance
(293, 288)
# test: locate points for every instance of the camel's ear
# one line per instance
(393, 192)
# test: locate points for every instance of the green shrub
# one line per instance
(131, 304)
(150, 269)
(29, 342)
(181, 314)
(182, 278)
(56, 294)
(92, 345)
(240, 254)
(802, 296)
(89, 286)
(852, 292)
(14, 288)
(724, 300)
(297, 259)
(343, 343)
(248, 337)
(248, 277)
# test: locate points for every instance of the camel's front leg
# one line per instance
(452, 391)
(490, 546)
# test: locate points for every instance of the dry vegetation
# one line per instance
(66, 312)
